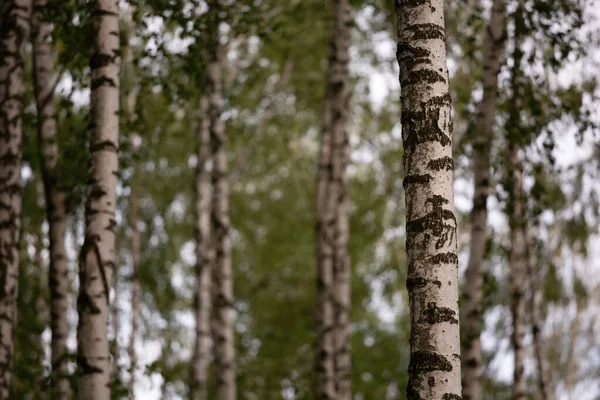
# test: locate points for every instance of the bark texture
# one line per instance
(224, 343)
(516, 213)
(535, 304)
(97, 257)
(14, 29)
(431, 226)
(473, 292)
(203, 304)
(56, 198)
(333, 277)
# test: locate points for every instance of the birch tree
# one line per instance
(56, 197)
(224, 347)
(333, 314)
(473, 292)
(14, 30)
(98, 251)
(431, 239)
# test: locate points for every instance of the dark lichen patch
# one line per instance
(420, 282)
(444, 258)
(421, 76)
(419, 179)
(437, 201)
(437, 315)
(437, 283)
(411, 3)
(427, 361)
(426, 31)
(410, 56)
(432, 222)
(411, 392)
(451, 396)
(422, 126)
(443, 163)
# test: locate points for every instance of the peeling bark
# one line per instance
(202, 305)
(14, 29)
(56, 198)
(473, 292)
(431, 226)
(97, 257)
(333, 277)
(224, 340)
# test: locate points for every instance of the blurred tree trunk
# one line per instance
(136, 242)
(56, 197)
(202, 301)
(97, 258)
(14, 30)
(535, 304)
(224, 341)
(333, 312)
(516, 212)
(431, 226)
(473, 292)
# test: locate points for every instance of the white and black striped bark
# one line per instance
(333, 277)
(431, 226)
(516, 212)
(14, 30)
(223, 328)
(473, 291)
(97, 257)
(56, 197)
(202, 301)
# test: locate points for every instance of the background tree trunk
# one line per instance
(97, 256)
(431, 226)
(203, 190)
(56, 198)
(535, 304)
(516, 213)
(333, 362)
(224, 343)
(473, 292)
(14, 29)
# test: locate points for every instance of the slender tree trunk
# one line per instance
(224, 343)
(202, 191)
(535, 304)
(333, 278)
(14, 29)
(431, 226)
(516, 214)
(473, 294)
(97, 258)
(56, 198)
(571, 368)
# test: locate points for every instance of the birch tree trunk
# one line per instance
(516, 214)
(431, 226)
(202, 305)
(473, 292)
(97, 258)
(535, 303)
(224, 343)
(14, 29)
(56, 198)
(333, 280)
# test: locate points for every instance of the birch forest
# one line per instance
(300, 199)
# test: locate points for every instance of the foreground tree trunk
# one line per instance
(516, 214)
(202, 301)
(333, 278)
(56, 198)
(431, 237)
(14, 29)
(97, 258)
(224, 343)
(535, 306)
(473, 292)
